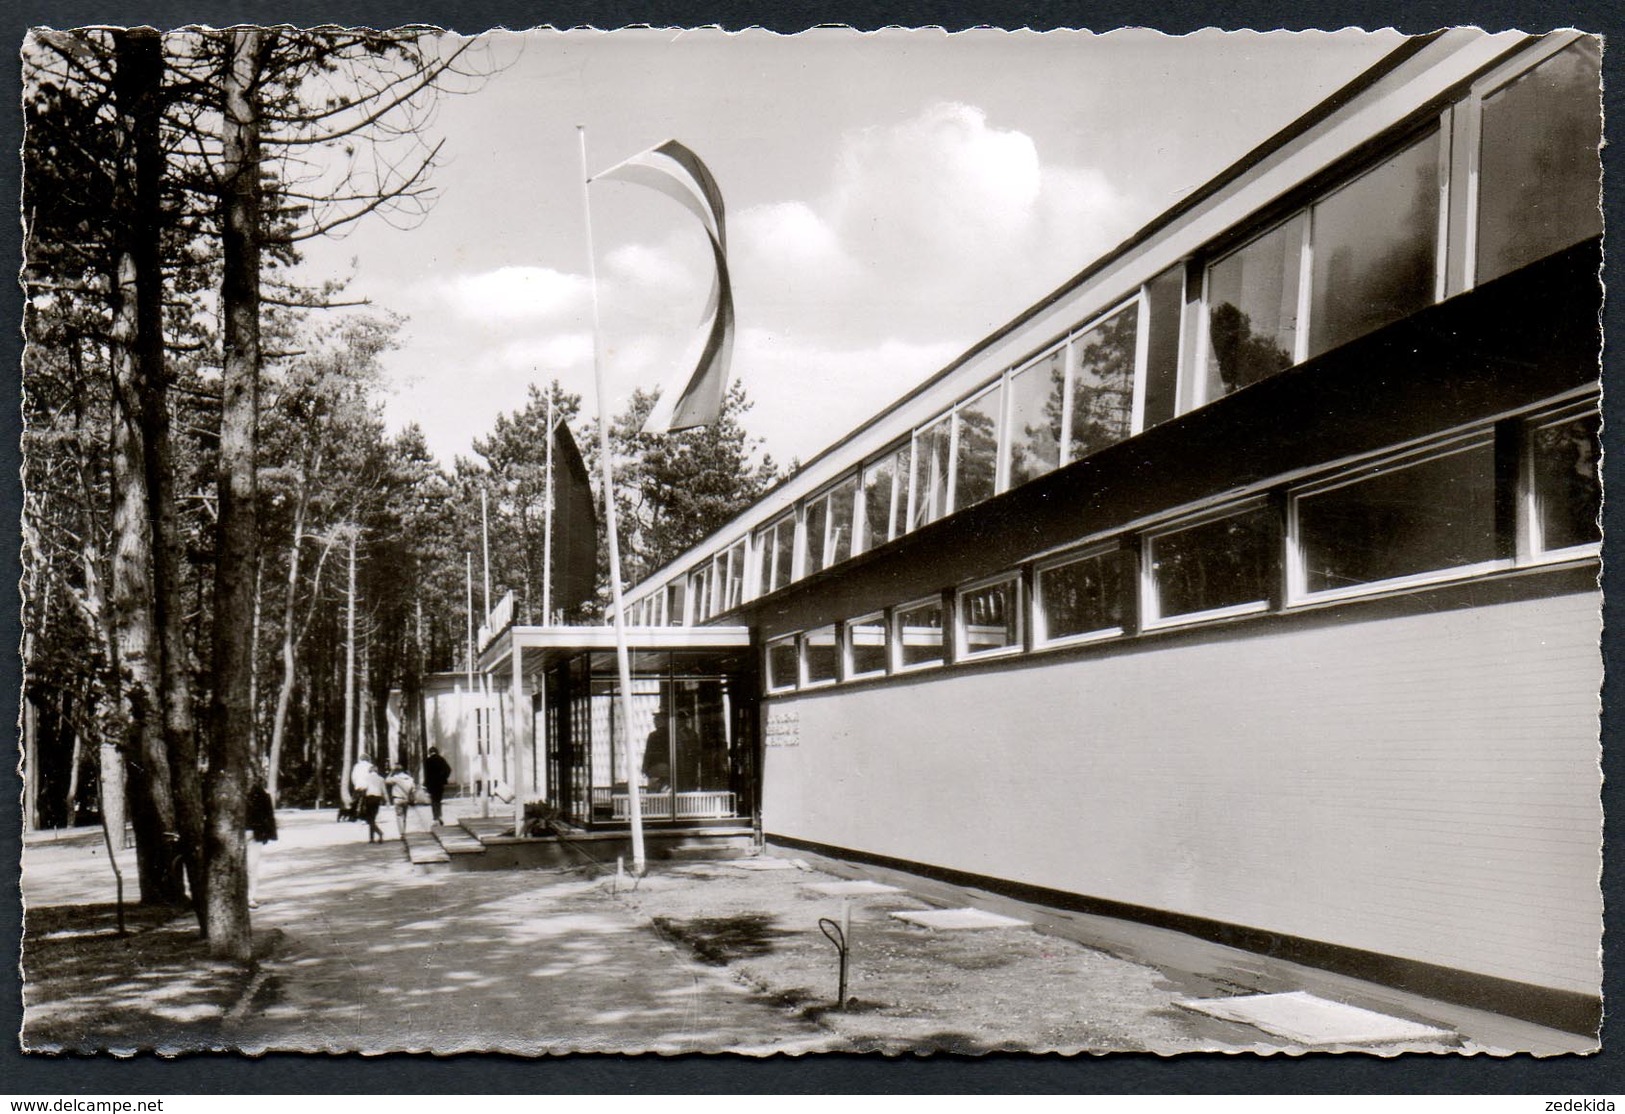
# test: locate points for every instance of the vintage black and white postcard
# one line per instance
(1101, 553)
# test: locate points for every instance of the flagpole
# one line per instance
(622, 659)
(547, 532)
(482, 772)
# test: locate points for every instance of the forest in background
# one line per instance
(229, 560)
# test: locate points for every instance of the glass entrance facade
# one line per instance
(692, 739)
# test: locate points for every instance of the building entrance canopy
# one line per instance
(689, 750)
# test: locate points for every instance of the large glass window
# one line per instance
(919, 634)
(813, 520)
(777, 546)
(1103, 383)
(977, 447)
(1037, 404)
(1252, 310)
(731, 575)
(819, 656)
(1221, 564)
(782, 669)
(1538, 173)
(699, 591)
(930, 483)
(866, 646)
(1082, 596)
(990, 617)
(1400, 520)
(842, 505)
(1565, 493)
(1375, 247)
(1165, 301)
(828, 532)
(675, 595)
(885, 500)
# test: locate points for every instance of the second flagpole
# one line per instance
(622, 659)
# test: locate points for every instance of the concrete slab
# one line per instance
(763, 864)
(960, 919)
(1300, 1016)
(851, 889)
(422, 848)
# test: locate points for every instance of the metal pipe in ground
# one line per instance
(840, 934)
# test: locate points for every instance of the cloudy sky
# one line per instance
(892, 198)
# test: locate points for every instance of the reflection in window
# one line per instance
(1403, 520)
(699, 590)
(1375, 248)
(1037, 399)
(1567, 497)
(930, 473)
(1224, 562)
(1103, 384)
(781, 664)
(777, 546)
(990, 617)
(1252, 299)
(919, 634)
(1165, 300)
(731, 570)
(1539, 173)
(866, 646)
(818, 650)
(1081, 597)
(813, 520)
(977, 449)
(885, 500)
(841, 500)
(674, 603)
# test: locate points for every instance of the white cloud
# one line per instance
(514, 294)
(650, 268)
(807, 394)
(546, 354)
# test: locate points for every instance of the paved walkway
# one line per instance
(369, 953)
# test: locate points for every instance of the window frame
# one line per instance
(895, 637)
(1151, 617)
(1531, 547)
(961, 633)
(1297, 592)
(770, 679)
(803, 641)
(767, 546)
(1472, 105)
(900, 457)
(1040, 627)
(1007, 420)
(1192, 393)
(849, 670)
(996, 384)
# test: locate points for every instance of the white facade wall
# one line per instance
(1424, 786)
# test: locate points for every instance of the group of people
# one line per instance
(372, 788)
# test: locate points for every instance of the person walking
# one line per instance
(436, 773)
(261, 829)
(358, 787)
(401, 787)
(372, 797)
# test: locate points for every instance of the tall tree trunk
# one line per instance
(284, 692)
(231, 715)
(140, 714)
(254, 662)
(349, 681)
(141, 65)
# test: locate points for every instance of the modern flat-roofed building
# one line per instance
(1245, 585)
